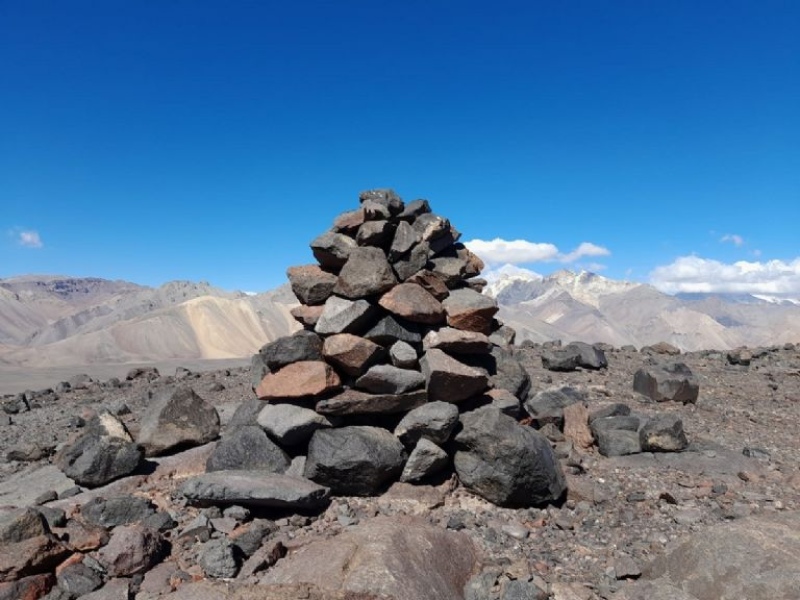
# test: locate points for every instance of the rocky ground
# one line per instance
(619, 514)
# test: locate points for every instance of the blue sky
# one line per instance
(160, 140)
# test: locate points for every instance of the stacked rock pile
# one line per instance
(402, 369)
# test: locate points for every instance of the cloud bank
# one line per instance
(694, 274)
(515, 252)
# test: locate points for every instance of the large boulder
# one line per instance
(177, 418)
(667, 382)
(356, 460)
(389, 558)
(505, 462)
(102, 453)
(753, 558)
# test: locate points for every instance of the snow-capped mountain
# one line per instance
(589, 307)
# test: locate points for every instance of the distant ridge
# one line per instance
(61, 321)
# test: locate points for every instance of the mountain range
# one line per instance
(51, 321)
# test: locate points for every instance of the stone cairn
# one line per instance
(401, 370)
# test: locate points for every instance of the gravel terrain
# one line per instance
(619, 512)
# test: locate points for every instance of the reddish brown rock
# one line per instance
(450, 380)
(307, 316)
(81, 537)
(432, 283)
(351, 353)
(311, 284)
(32, 556)
(132, 549)
(391, 558)
(469, 310)
(27, 588)
(349, 222)
(412, 302)
(307, 378)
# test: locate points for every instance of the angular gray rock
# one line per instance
(574, 355)
(374, 233)
(355, 402)
(414, 209)
(289, 424)
(450, 380)
(404, 239)
(311, 284)
(104, 452)
(388, 379)
(403, 355)
(218, 559)
(77, 580)
(434, 421)
(389, 330)
(548, 405)
(426, 459)
(120, 510)
(668, 382)
(247, 413)
(617, 442)
(340, 315)
(21, 524)
(247, 447)
(521, 471)
(663, 433)
(176, 419)
(366, 273)
(356, 460)
(333, 249)
(302, 345)
(412, 262)
(254, 488)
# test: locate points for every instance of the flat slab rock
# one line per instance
(255, 488)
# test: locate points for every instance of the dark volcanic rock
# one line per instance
(548, 405)
(520, 471)
(247, 447)
(290, 424)
(663, 433)
(333, 249)
(302, 345)
(340, 315)
(574, 355)
(132, 549)
(434, 421)
(111, 512)
(177, 418)
(387, 379)
(366, 273)
(389, 330)
(414, 303)
(355, 402)
(355, 460)
(469, 310)
(426, 459)
(668, 382)
(102, 453)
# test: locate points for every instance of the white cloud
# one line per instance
(694, 274)
(500, 251)
(734, 239)
(29, 239)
